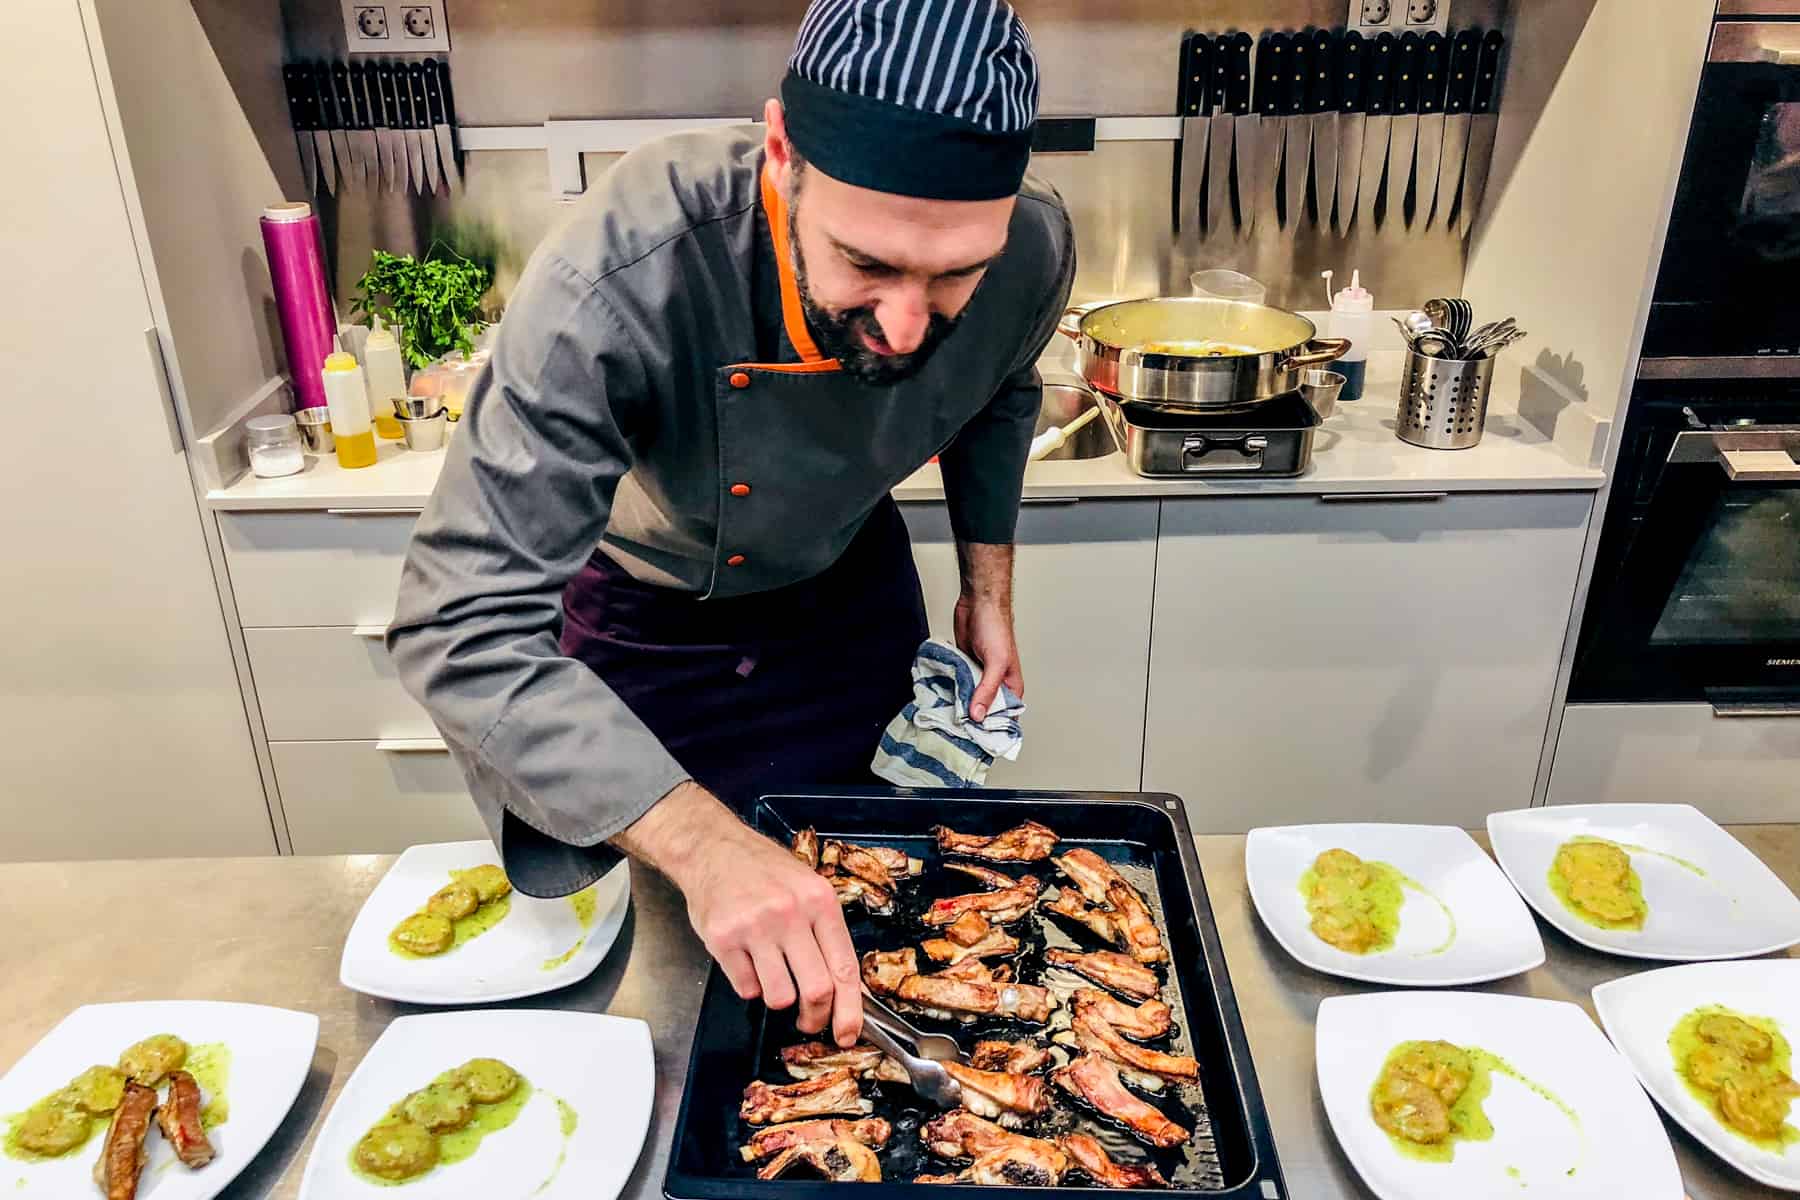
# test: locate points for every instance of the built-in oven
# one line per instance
(1726, 291)
(1696, 589)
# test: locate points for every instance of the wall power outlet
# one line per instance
(388, 27)
(1370, 17)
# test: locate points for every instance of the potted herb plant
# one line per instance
(433, 304)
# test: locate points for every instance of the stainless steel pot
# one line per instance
(1181, 353)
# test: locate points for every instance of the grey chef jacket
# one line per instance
(643, 397)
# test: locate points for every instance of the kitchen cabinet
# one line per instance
(376, 796)
(1736, 770)
(1082, 585)
(338, 567)
(1368, 658)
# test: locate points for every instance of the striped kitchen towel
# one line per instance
(932, 742)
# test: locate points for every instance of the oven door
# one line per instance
(1734, 235)
(1706, 602)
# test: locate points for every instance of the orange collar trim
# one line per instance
(792, 315)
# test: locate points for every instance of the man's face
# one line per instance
(885, 278)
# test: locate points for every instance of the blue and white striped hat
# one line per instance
(929, 98)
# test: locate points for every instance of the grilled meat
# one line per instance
(1151, 1019)
(809, 1060)
(846, 855)
(843, 1161)
(1119, 972)
(806, 848)
(1019, 1058)
(961, 1134)
(970, 936)
(1095, 1080)
(1097, 1037)
(994, 881)
(179, 1120)
(831, 1093)
(1143, 939)
(1001, 1158)
(1030, 842)
(1093, 1162)
(884, 970)
(1098, 921)
(766, 1143)
(969, 990)
(121, 1160)
(850, 890)
(999, 1096)
(1000, 907)
(1089, 872)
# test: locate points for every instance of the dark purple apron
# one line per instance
(766, 692)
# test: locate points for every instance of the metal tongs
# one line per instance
(891, 1033)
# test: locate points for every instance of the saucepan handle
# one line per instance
(1317, 353)
(1070, 325)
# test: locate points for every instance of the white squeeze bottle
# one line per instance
(1353, 317)
(386, 379)
(348, 398)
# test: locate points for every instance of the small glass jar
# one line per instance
(274, 445)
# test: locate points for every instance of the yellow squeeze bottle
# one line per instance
(387, 382)
(348, 399)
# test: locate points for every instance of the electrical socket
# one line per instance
(1421, 12)
(1375, 12)
(1370, 17)
(395, 28)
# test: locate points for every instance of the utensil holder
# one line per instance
(1444, 401)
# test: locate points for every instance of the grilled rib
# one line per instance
(179, 1120)
(809, 1060)
(1091, 1160)
(885, 970)
(1143, 940)
(1095, 1080)
(1029, 842)
(994, 881)
(851, 890)
(843, 1161)
(961, 1134)
(970, 936)
(1089, 872)
(121, 1160)
(1097, 1037)
(1000, 1158)
(897, 863)
(1039, 1164)
(832, 1093)
(1151, 1019)
(806, 848)
(969, 990)
(1000, 907)
(1101, 923)
(766, 1143)
(1108, 968)
(999, 1096)
(1018, 1058)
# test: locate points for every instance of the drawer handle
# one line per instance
(1381, 497)
(412, 746)
(374, 512)
(1729, 711)
(372, 632)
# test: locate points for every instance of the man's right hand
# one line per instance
(774, 926)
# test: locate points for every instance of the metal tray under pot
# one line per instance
(1232, 1155)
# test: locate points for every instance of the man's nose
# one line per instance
(904, 317)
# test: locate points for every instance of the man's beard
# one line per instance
(840, 334)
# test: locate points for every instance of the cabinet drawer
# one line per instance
(331, 683)
(357, 798)
(316, 568)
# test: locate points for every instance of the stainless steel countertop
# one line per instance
(270, 930)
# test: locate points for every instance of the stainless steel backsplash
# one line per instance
(522, 61)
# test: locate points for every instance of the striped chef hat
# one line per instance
(927, 98)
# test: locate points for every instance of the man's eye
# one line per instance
(873, 270)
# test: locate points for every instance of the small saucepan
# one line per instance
(1180, 354)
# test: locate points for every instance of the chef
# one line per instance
(661, 574)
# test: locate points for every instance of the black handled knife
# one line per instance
(297, 80)
(421, 125)
(1352, 125)
(1459, 100)
(1296, 130)
(1232, 120)
(343, 133)
(1405, 137)
(1259, 154)
(1434, 81)
(1193, 103)
(1484, 127)
(1379, 75)
(1323, 99)
(436, 76)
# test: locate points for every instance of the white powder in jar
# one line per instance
(272, 462)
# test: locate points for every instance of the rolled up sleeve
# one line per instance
(984, 467)
(525, 493)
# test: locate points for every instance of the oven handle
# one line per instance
(1755, 709)
(1746, 456)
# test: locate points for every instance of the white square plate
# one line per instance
(600, 1066)
(1638, 1012)
(517, 957)
(271, 1051)
(1620, 1148)
(1486, 934)
(1733, 906)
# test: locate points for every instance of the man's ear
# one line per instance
(776, 147)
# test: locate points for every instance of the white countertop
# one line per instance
(1354, 451)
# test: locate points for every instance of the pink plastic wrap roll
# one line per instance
(297, 267)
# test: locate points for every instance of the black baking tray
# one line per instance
(1147, 837)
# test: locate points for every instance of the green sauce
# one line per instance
(1468, 1120)
(1381, 900)
(1634, 887)
(455, 1145)
(210, 1065)
(15, 1126)
(568, 1119)
(1685, 1038)
(467, 928)
(1680, 862)
(583, 902)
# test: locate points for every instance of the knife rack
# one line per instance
(388, 123)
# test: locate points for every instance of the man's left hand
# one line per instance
(984, 631)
